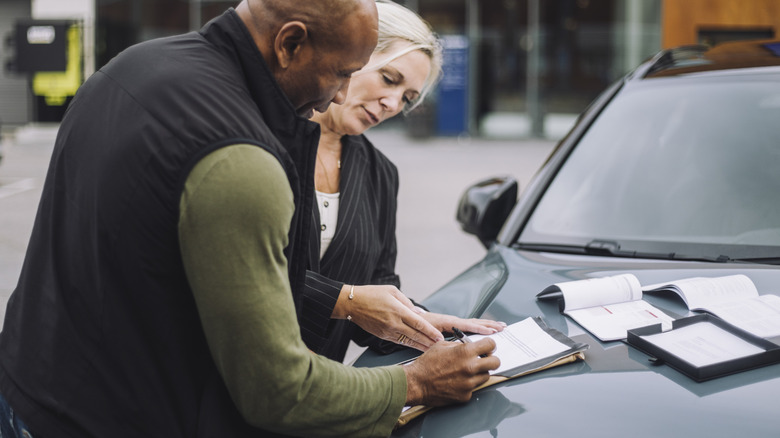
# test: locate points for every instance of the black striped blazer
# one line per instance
(363, 249)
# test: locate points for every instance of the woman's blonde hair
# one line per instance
(399, 24)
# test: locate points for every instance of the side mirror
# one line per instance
(484, 207)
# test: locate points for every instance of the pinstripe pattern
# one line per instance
(363, 250)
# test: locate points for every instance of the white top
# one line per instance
(328, 205)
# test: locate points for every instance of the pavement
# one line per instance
(434, 172)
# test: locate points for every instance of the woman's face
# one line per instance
(375, 95)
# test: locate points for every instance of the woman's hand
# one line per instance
(445, 323)
(388, 314)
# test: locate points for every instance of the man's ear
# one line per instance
(288, 42)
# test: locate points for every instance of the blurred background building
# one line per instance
(513, 68)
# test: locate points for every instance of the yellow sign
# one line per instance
(57, 86)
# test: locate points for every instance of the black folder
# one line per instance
(647, 339)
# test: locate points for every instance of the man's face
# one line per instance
(320, 73)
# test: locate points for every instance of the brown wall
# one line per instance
(682, 20)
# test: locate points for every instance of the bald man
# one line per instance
(155, 297)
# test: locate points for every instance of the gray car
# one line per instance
(673, 172)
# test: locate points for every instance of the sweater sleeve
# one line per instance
(235, 214)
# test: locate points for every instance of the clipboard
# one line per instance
(415, 411)
(574, 351)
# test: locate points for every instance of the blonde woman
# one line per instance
(353, 242)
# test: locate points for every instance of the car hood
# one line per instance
(617, 390)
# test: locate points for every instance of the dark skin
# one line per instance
(312, 66)
(312, 61)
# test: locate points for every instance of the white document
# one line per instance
(703, 344)
(612, 321)
(759, 315)
(700, 292)
(733, 298)
(597, 291)
(610, 306)
(522, 343)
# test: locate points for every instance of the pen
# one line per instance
(463, 338)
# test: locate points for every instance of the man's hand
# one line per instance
(448, 372)
(386, 313)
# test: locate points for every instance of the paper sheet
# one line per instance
(522, 343)
(703, 344)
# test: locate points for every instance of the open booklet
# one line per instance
(733, 298)
(607, 307)
(524, 347)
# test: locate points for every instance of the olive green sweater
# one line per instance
(234, 219)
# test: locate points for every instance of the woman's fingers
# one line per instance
(421, 333)
(417, 332)
(480, 326)
(445, 323)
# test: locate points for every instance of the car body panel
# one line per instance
(622, 388)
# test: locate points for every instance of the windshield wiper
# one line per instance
(759, 260)
(612, 249)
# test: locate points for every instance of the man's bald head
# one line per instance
(312, 47)
(321, 16)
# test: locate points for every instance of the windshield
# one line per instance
(683, 165)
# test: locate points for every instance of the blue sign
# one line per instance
(452, 108)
